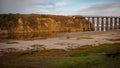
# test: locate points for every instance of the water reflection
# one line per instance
(28, 36)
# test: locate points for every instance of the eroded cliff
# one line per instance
(34, 23)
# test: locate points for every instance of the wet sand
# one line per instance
(65, 40)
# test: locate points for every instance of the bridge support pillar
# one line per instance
(98, 24)
(115, 21)
(102, 24)
(88, 18)
(93, 22)
(89, 24)
(106, 24)
(119, 24)
(111, 23)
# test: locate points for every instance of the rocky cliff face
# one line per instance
(76, 25)
(20, 28)
(46, 25)
(43, 24)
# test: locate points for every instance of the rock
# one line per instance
(19, 28)
(50, 23)
(75, 25)
(28, 29)
(47, 25)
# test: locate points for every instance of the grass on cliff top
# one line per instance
(83, 57)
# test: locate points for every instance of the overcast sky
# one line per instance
(62, 7)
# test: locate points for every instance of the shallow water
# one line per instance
(28, 36)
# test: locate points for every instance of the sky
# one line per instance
(62, 7)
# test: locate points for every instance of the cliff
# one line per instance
(34, 23)
(20, 28)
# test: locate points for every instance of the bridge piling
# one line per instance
(111, 25)
(106, 25)
(93, 21)
(98, 24)
(89, 23)
(102, 23)
(119, 23)
(115, 23)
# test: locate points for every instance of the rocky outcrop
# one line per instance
(83, 24)
(76, 25)
(48, 23)
(28, 29)
(20, 28)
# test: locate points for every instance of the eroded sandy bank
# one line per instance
(65, 41)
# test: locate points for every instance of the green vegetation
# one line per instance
(8, 20)
(83, 57)
(102, 49)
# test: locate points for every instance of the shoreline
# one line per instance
(65, 41)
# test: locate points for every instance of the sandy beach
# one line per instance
(65, 40)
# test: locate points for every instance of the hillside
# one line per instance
(35, 23)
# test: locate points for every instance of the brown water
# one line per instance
(28, 36)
